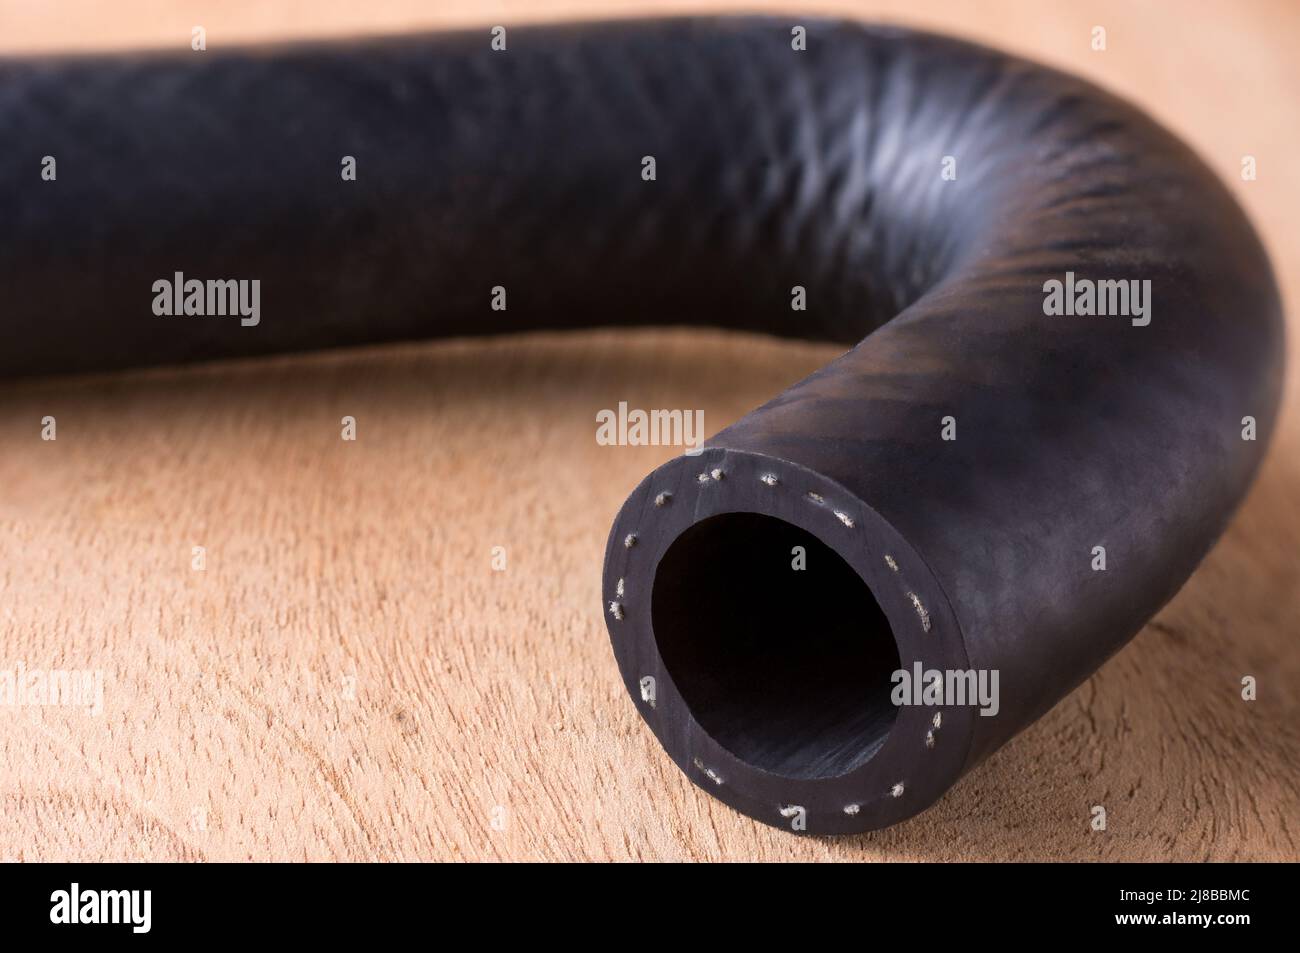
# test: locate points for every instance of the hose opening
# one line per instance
(777, 645)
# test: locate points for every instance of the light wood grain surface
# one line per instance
(349, 677)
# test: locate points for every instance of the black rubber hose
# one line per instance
(953, 480)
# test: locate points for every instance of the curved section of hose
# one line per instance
(966, 458)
